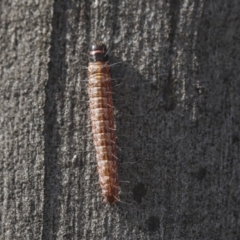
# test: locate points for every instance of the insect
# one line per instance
(102, 118)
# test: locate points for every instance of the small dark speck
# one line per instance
(16, 94)
(139, 191)
(225, 80)
(201, 174)
(235, 139)
(135, 88)
(152, 223)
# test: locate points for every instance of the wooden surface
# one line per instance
(177, 102)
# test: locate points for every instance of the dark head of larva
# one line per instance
(98, 52)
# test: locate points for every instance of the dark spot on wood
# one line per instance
(152, 224)
(235, 138)
(225, 80)
(201, 174)
(139, 191)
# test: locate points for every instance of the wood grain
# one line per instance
(177, 102)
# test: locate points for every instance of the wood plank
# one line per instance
(176, 96)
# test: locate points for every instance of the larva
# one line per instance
(102, 118)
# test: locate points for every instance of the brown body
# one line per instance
(103, 128)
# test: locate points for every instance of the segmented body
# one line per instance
(102, 117)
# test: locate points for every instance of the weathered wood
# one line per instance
(25, 31)
(177, 99)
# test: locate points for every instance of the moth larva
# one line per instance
(102, 117)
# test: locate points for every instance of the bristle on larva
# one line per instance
(102, 117)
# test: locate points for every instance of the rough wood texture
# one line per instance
(25, 31)
(177, 99)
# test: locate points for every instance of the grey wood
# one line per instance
(177, 100)
(25, 31)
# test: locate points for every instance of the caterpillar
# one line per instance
(102, 119)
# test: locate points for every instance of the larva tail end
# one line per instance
(111, 199)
